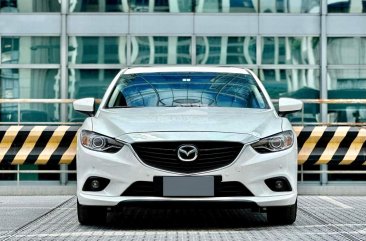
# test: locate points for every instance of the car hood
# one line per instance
(136, 124)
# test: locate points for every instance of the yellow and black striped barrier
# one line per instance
(41, 145)
(333, 145)
(38, 145)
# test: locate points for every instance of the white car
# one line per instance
(187, 135)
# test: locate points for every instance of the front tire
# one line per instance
(282, 215)
(91, 215)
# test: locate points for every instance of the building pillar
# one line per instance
(64, 77)
(323, 78)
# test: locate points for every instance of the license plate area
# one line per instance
(188, 186)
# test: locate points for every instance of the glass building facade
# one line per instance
(67, 49)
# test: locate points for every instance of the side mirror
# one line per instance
(85, 106)
(289, 105)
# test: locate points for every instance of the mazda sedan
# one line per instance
(186, 135)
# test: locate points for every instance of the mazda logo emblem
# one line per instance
(187, 153)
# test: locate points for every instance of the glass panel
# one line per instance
(231, 6)
(9, 112)
(150, 6)
(42, 176)
(30, 112)
(309, 177)
(28, 6)
(161, 50)
(226, 50)
(173, 6)
(97, 50)
(294, 83)
(29, 177)
(7, 176)
(71, 167)
(346, 50)
(88, 83)
(347, 177)
(30, 50)
(287, 6)
(35, 112)
(29, 84)
(346, 6)
(98, 6)
(291, 50)
(347, 84)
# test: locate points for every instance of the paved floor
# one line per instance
(54, 218)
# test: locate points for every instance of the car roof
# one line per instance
(214, 69)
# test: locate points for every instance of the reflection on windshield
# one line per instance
(187, 90)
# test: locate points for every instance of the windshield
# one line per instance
(187, 89)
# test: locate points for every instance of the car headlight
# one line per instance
(98, 142)
(278, 142)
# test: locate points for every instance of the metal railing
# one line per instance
(19, 171)
(301, 171)
(19, 102)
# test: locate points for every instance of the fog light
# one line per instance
(278, 184)
(95, 184)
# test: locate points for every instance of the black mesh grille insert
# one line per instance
(154, 189)
(211, 155)
(232, 189)
(141, 189)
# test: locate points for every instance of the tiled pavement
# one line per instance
(54, 218)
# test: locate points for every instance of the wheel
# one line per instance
(282, 215)
(89, 215)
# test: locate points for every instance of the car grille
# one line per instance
(211, 155)
(153, 189)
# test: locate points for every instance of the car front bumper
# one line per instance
(124, 168)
